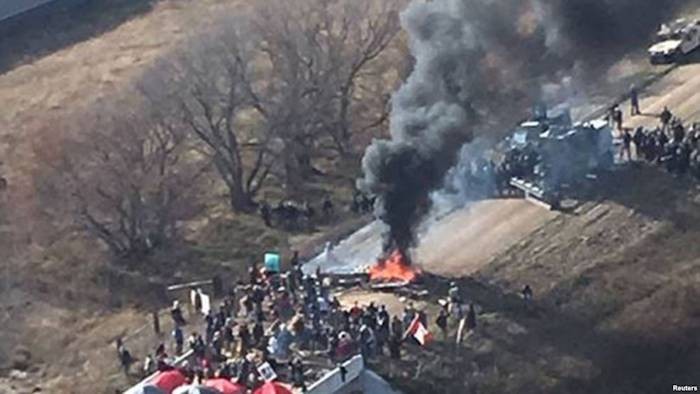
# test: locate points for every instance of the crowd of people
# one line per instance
(299, 215)
(672, 144)
(285, 319)
(294, 215)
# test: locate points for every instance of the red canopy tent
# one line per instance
(273, 388)
(225, 386)
(169, 380)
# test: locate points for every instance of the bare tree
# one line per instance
(210, 86)
(317, 51)
(124, 180)
(264, 92)
(363, 34)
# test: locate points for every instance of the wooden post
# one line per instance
(156, 322)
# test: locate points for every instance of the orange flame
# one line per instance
(393, 268)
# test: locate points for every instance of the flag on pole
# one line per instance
(419, 331)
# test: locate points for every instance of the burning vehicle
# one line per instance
(675, 41)
(394, 269)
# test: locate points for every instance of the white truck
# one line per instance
(675, 41)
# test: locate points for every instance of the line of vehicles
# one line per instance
(548, 154)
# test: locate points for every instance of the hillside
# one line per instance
(59, 283)
(50, 74)
(615, 281)
(615, 278)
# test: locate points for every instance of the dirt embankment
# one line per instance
(615, 283)
(60, 308)
(628, 265)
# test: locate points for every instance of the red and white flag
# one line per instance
(419, 331)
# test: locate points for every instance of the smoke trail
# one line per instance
(428, 119)
(479, 60)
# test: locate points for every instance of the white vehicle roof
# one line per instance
(530, 123)
(665, 46)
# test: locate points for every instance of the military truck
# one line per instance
(675, 41)
(558, 157)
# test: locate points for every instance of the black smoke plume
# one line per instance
(480, 60)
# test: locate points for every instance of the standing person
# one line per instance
(266, 213)
(453, 293)
(626, 144)
(634, 101)
(383, 330)
(290, 284)
(471, 317)
(327, 207)
(258, 333)
(527, 293)
(210, 327)
(422, 317)
(118, 344)
(245, 340)
(397, 327)
(298, 273)
(229, 337)
(125, 359)
(395, 347)
(253, 274)
(333, 342)
(149, 365)
(665, 117)
(455, 300)
(367, 341)
(294, 262)
(441, 322)
(176, 314)
(198, 300)
(617, 117)
(409, 313)
(355, 312)
(156, 322)
(179, 338)
(638, 139)
(297, 368)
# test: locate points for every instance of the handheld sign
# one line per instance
(266, 372)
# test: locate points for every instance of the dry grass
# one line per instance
(630, 269)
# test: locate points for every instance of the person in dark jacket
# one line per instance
(527, 293)
(395, 347)
(471, 317)
(125, 359)
(179, 339)
(441, 322)
(634, 102)
(626, 144)
(665, 118)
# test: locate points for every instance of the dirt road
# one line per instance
(467, 240)
(458, 244)
(679, 91)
